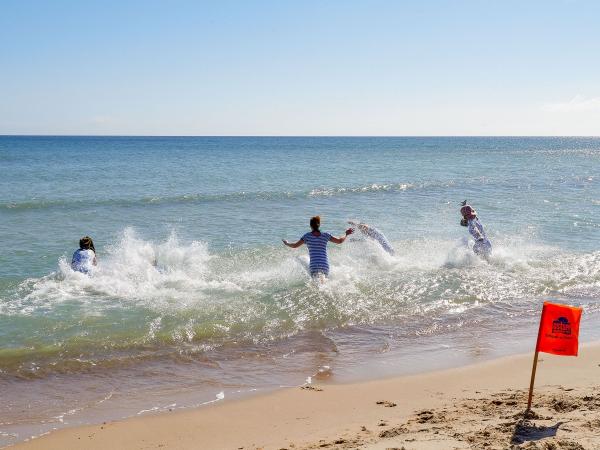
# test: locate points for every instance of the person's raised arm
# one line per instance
(293, 244)
(341, 239)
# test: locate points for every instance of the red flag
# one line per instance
(559, 330)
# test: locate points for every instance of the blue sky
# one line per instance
(300, 68)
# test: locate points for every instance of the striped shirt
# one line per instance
(317, 251)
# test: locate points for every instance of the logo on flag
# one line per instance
(561, 325)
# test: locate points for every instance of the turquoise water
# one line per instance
(195, 295)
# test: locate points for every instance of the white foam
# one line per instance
(185, 292)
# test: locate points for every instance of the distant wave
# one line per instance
(318, 191)
(375, 187)
(216, 197)
(191, 198)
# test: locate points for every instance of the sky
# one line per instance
(391, 68)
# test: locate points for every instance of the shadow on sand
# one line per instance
(525, 430)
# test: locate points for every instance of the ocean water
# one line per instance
(195, 298)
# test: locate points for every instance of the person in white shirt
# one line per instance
(84, 259)
(482, 246)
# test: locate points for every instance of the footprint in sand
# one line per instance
(310, 387)
(386, 403)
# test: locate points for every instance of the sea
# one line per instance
(196, 300)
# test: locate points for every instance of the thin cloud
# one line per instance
(576, 104)
(101, 120)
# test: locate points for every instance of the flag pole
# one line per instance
(533, 369)
(535, 361)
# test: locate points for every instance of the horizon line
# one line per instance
(307, 135)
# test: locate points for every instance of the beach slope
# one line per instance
(478, 406)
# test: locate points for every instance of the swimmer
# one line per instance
(375, 234)
(316, 241)
(85, 258)
(482, 246)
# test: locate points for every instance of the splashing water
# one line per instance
(155, 299)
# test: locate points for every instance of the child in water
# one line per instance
(482, 246)
(85, 258)
(375, 234)
(316, 241)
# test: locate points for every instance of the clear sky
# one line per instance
(300, 67)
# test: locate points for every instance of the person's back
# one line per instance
(317, 251)
(482, 245)
(84, 259)
(476, 229)
(317, 246)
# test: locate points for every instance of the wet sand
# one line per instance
(473, 407)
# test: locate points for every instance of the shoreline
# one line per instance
(453, 408)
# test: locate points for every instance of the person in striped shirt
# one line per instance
(316, 241)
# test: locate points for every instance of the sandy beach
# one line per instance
(479, 406)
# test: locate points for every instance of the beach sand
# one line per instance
(474, 407)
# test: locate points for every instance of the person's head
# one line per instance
(315, 223)
(86, 243)
(468, 212)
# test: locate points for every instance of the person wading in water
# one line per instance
(84, 259)
(316, 241)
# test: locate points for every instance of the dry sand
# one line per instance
(475, 407)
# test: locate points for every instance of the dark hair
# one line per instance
(464, 222)
(315, 223)
(86, 243)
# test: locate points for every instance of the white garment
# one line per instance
(482, 244)
(83, 260)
